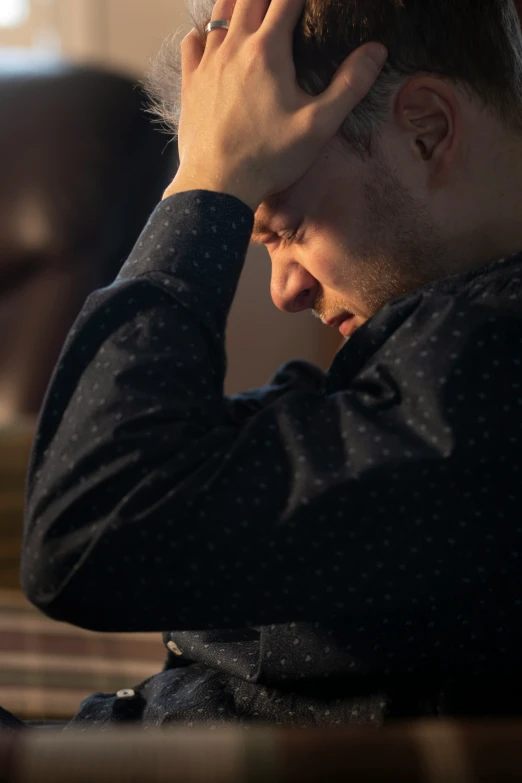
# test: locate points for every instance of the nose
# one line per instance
(293, 288)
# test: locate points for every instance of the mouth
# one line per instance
(347, 323)
(348, 326)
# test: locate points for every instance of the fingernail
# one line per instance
(377, 54)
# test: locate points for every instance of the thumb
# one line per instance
(351, 83)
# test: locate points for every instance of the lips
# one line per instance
(347, 323)
(339, 320)
(348, 326)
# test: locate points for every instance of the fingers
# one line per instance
(223, 9)
(352, 82)
(191, 54)
(250, 15)
(282, 17)
(361, 69)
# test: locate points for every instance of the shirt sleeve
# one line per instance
(152, 505)
(296, 375)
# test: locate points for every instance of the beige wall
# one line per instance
(133, 42)
(126, 34)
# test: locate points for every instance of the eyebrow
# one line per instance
(260, 227)
(262, 223)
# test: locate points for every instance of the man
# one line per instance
(334, 548)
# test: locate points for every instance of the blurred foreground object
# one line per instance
(82, 168)
(425, 751)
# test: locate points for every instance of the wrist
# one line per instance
(218, 183)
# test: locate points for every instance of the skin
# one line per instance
(443, 193)
(352, 253)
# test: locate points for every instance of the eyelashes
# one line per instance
(288, 236)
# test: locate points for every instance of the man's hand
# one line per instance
(246, 127)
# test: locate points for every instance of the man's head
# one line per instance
(423, 177)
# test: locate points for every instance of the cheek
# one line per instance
(325, 260)
(335, 240)
(341, 216)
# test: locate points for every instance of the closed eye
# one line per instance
(266, 237)
(288, 236)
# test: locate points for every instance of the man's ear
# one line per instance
(428, 110)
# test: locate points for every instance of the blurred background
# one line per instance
(82, 166)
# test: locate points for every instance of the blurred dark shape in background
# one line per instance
(82, 167)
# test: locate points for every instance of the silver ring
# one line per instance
(217, 24)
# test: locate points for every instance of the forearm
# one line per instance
(217, 182)
(146, 349)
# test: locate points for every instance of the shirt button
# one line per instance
(126, 693)
(174, 647)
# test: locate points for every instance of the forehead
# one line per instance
(335, 176)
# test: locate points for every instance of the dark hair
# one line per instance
(476, 44)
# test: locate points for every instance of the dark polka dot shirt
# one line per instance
(332, 548)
